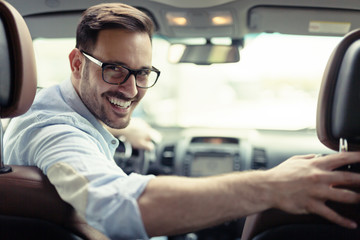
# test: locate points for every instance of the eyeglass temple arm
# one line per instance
(91, 58)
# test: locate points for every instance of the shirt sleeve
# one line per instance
(94, 185)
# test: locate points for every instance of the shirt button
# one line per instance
(113, 141)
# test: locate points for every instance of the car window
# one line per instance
(274, 86)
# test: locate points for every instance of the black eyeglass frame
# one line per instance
(131, 71)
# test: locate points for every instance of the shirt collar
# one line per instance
(73, 100)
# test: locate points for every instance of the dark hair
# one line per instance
(110, 16)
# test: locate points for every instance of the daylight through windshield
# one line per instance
(274, 86)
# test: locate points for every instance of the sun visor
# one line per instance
(303, 21)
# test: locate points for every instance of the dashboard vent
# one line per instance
(168, 156)
(259, 160)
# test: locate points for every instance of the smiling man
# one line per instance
(64, 135)
(109, 90)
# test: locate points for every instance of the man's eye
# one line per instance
(115, 68)
(144, 72)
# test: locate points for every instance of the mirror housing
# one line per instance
(204, 54)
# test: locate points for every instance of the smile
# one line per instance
(119, 102)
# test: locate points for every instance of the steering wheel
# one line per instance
(131, 160)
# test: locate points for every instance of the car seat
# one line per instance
(30, 207)
(338, 127)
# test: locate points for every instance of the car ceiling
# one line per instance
(58, 18)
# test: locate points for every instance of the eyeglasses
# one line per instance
(117, 74)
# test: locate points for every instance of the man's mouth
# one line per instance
(119, 102)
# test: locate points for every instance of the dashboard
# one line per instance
(204, 152)
(210, 155)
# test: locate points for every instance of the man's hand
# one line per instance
(303, 184)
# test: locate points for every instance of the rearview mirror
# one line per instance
(203, 54)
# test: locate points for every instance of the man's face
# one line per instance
(114, 104)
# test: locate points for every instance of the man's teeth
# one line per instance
(119, 102)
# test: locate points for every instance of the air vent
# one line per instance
(259, 159)
(168, 155)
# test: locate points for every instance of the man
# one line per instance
(63, 134)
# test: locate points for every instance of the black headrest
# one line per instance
(338, 113)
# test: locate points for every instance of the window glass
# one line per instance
(274, 86)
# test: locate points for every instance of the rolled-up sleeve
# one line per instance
(93, 184)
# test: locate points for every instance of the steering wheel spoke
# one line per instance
(132, 160)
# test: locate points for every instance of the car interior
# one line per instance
(336, 128)
(191, 146)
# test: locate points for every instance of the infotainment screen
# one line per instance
(206, 165)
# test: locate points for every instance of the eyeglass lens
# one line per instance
(117, 74)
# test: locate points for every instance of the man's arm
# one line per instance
(171, 205)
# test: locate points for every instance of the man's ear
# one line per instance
(76, 62)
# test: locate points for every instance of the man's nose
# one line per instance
(129, 85)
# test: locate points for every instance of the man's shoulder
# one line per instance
(49, 108)
(37, 118)
(48, 98)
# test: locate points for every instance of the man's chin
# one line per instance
(117, 124)
(121, 124)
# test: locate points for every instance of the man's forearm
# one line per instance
(300, 185)
(172, 205)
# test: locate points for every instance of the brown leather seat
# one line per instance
(338, 121)
(30, 207)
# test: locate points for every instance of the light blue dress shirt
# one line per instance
(61, 137)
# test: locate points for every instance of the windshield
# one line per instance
(274, 86)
